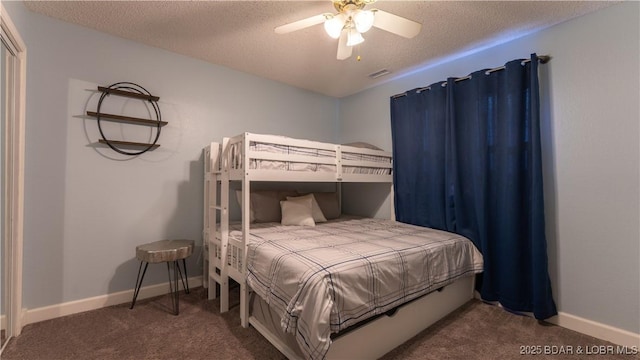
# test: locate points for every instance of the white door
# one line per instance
(3, 241)
(12, 107)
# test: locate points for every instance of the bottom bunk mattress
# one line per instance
(374, 337)
(323, 279)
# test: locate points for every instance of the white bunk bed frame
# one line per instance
(389, 331)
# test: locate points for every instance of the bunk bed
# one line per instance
(348, 287)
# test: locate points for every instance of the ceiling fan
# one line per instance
(351, 21)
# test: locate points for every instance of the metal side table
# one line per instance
(169, 251)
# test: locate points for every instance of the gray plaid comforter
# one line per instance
(326, 278)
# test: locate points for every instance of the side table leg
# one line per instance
(185, 280)
(185, 286)
(138, 283)
(173, 287)
(176, 270)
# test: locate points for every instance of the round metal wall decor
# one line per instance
(131, 90)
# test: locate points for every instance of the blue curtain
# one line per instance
(467, 159)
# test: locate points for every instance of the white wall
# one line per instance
(86, 208)
(591, 153)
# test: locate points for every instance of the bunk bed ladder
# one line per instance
(216, 231)
(246, 220)
(224, 226)
(206, 224)
(209, 221)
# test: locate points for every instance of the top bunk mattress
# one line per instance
(272, 144)
(296, 166)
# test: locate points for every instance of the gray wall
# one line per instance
(591, 153)
(86, 208)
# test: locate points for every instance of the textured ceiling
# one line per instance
(239, 34)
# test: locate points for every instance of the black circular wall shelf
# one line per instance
(130, 90)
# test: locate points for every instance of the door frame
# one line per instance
(14, 152)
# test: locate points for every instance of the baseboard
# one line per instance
(571, 322)
(589, 327)
(596, 329)
(73, 307)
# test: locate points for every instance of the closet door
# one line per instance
(12, 111)
(4, 268)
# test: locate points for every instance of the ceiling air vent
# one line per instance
(379, 73)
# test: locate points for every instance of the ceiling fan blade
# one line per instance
(344, 51)
(301, 24)
(395, 24)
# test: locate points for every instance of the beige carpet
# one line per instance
(149, 331)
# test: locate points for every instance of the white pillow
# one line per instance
(316, 211)
(297, 212)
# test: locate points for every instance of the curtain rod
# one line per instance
(543, 59)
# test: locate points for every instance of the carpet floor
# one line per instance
(149, 331)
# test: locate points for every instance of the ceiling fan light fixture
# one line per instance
(351, 21)
(363, 20)
(334, 26)
(354, 37)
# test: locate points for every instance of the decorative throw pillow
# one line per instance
(329, 204)
(297, 212)
(318, 216)
(251, 208)
(265, 204)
